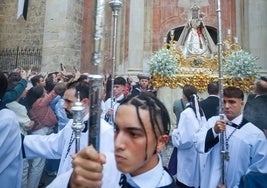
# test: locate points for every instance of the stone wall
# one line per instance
(52, 26)
(18, 32)
(62, 35)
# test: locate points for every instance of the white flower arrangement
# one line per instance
(163, 62)
(241, 64)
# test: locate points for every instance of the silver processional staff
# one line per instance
(77, 125)
(95, 81)
(224, 152)
(115, 5)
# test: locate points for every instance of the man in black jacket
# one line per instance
(255, 109)
(210, 105)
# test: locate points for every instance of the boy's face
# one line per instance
(232, 107)
(144, 83)
(135, 148)
(118, 90)
(41, 82)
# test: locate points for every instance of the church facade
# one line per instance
(63, 31)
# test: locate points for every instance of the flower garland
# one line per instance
(241, 64)
(163, 63)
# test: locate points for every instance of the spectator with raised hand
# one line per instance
(16, 92)
(44, 118)
(22, 116)
(38, 80)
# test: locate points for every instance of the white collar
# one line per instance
(120, 97)
(213, 96)
(237, 120)
(155, 177)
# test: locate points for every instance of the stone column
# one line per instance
(62, 35)
(251, 29)
(136, 36)
(257, 24)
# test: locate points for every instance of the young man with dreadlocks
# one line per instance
(142, 126)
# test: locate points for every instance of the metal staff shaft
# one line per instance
(222, 141)
(115, 6)
(98, 31)
(95, 81)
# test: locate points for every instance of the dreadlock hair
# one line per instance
(189, 92)
(158, 114)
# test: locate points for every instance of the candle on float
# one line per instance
(229, 31)
(236, 40)
(172, 32)
(164, 39)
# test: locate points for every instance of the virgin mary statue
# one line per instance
(195, 38)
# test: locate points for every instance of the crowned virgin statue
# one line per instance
(195, 38)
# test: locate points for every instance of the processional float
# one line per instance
(197, 52)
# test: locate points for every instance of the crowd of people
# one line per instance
(37, 134)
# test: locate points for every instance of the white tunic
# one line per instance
(247, 151)
(107, 106)
(55, 146)
(190, 162)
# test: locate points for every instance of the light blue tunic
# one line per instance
(10, 150)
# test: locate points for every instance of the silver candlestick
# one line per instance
(77, 125)
(115, 5)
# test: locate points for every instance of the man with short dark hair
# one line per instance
(62, 144)
(245, 144)
(111, 105)
(38, 80)
(255, 109)
(210, 105)
(143, 84)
